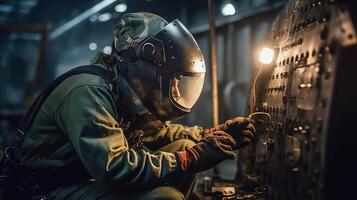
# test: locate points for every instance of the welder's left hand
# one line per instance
(240, 128)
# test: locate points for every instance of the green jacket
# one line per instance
(77, 128)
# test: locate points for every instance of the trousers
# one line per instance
(91, 190)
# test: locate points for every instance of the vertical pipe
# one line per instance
(213, 61)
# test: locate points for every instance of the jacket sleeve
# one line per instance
(87, 117)
(171, 132)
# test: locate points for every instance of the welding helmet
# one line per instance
(165, 69)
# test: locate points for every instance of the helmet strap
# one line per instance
(125, 95)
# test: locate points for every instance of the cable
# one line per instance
(268, 132)
(254, 89)
(7, 155)
(261, 113)
(253, 99)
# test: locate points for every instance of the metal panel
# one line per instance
(302, 91)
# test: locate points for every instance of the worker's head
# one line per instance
(161, 62)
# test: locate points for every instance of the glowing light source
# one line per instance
(266, 56)
(93, 46)
(228, 9)
(104, 17)
(120, 8)
(107, 50)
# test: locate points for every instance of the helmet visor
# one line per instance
(186, 89)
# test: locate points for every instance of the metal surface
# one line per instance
(300, 154)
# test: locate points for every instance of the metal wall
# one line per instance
(302, 147)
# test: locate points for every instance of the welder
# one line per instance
(107, 135)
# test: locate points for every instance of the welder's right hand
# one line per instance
(240, 128)
(207, 153)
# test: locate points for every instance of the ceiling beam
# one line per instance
(81, 17)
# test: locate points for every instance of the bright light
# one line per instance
(228, 9)
(107, 50)
(105, 17)
(120, 8)
(198, 64)
(266, 56)
(93, 46)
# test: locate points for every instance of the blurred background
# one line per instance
(42, 39)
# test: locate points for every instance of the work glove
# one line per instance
(240, 128)
(207, 153)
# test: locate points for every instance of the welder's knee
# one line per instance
(163, 193)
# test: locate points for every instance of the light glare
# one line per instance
(266, 55)
(228, 9)
(107, 50)
(198, 64)
(105, 17)
(120, 8)
(93, 46)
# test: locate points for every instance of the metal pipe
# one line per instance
(213, 62)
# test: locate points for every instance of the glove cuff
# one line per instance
(183, 160)
(188, 159)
